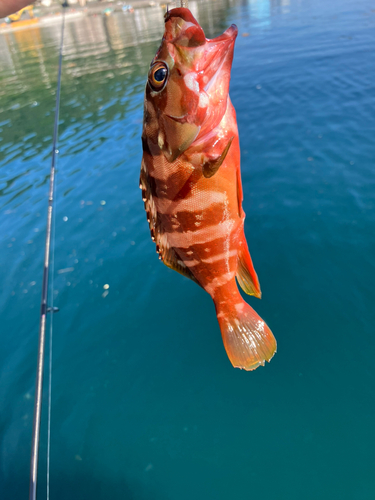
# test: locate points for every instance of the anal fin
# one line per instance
(246, 275)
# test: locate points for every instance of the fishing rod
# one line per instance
(44, 300)
(44, 308)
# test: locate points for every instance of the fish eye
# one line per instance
(157, 76)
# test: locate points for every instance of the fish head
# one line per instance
(188, 84)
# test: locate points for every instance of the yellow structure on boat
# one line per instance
(17, 16)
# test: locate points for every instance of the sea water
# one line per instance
(145, 404)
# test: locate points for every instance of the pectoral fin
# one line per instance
(212, 166)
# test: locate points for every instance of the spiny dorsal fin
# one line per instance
(212, 166)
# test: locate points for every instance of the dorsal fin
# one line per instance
(212, 166)
(239, 193)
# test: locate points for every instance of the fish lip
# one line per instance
(231, 32)
(223, 43)
(229, 35)
(182, 12)
(226, 50)
(179, 119)
(186, 15)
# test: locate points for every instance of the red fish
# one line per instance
(191, 180)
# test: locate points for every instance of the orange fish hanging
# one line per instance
(191, 181)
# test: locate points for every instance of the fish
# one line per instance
(191, 180)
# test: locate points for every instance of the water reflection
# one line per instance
(260, 10)
(87, 37)
(98, 43)
(105, 62)
(94, 45)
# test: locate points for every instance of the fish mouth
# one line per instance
(209, 59)
(183, 29)
(219, 57)
(187, 16)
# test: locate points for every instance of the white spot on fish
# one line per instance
(191, 82)
(191, 263)
(200, 236)
(222, 256)
(239, 307)
(203, 100)
(260, 326)
(218, 282)
(189, 204)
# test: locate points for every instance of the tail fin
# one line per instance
(247, 339)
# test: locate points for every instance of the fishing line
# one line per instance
(50, 227)
(44, 308)
(52, 288)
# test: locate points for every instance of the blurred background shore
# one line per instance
(46, 11)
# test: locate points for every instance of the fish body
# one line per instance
(191, 181)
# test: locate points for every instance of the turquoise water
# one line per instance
(145, 403)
